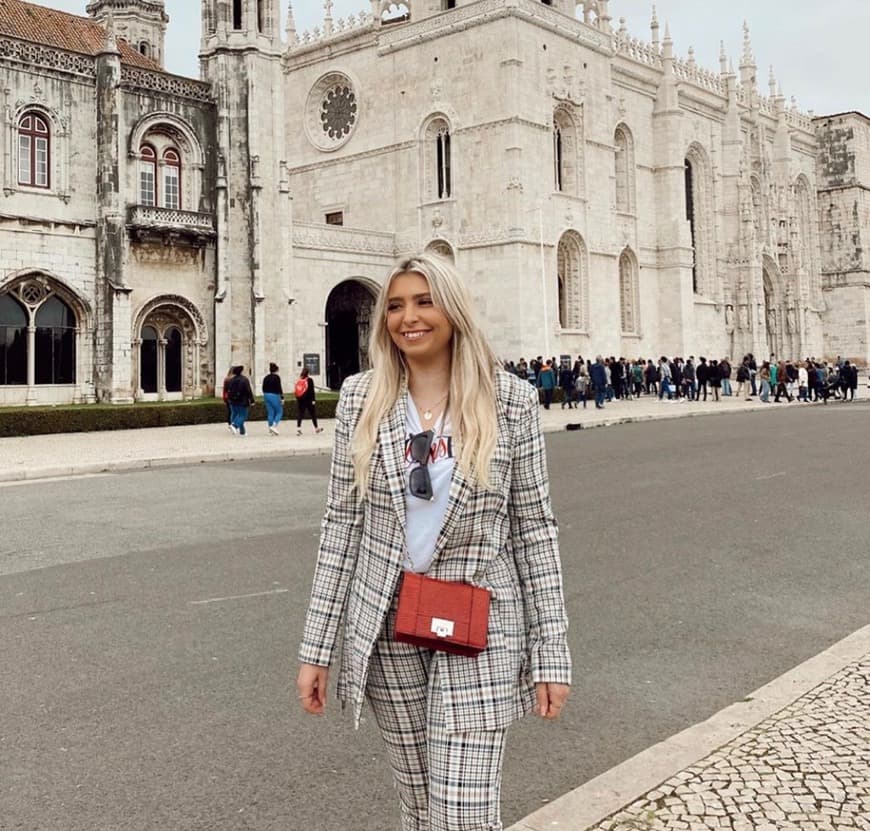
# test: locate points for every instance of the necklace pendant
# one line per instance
(427, 414)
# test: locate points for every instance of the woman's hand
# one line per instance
(551, 699)
(311, 684)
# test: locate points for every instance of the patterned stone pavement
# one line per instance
(807, 768)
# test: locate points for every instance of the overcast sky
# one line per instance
(819, 50)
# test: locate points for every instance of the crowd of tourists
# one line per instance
(678, 380)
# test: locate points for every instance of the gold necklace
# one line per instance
(427, 413)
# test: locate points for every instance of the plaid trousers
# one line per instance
(446, 781)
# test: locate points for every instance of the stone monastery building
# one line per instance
(598, 192)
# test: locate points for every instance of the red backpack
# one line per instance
(301, 388)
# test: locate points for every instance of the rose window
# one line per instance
(338, 112)
(332, 111)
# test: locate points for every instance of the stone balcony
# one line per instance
(146, 222)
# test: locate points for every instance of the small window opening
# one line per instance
(261, 16)
(335, 218)
(237, 14)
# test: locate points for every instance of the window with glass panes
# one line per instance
(171, 180)
(148, 176)
(34, 146)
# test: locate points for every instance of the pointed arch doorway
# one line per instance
(349, 310)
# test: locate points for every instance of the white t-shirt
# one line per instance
(424, 518)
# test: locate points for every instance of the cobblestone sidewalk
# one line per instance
(807, 768)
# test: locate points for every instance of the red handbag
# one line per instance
(437, 614)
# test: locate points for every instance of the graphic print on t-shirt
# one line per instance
(425, 517)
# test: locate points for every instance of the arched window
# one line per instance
(13, 341)
(558, 161)
(566, 144)
(624, 169)
(437, 160)
(148, 360)
(394, 12)
(147, 175)
(628, 293)
(34, 151)
(55, 343)
(171, 179)
(699, 213)
(442, 150)
(50, 340)
(442, 248)
(571, 274)
(145, 48)
(237, 14)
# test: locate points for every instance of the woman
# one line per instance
(225, 394)
(485, 519)
(305, 403)
(273, 398)
(764, 376)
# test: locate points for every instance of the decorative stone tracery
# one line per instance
(572, 281)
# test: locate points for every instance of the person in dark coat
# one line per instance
(566, 382)
(240, 396)
(305, 404)
(702, 373)
(598, 376)
(714, 379)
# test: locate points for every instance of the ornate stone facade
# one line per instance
(599, 193)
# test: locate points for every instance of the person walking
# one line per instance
(598, 376)
(241, 397)
(781, 383)
(665, 383)
(547, 382)
(225, 395)
(305, 403)
(438, 471)
(849, 380)
(273, 398)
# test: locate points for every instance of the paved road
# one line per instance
(142, 688)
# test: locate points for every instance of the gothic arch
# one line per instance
(629, 292)
(348, 316)
(624, 169)
(59, 155)
(567, 151)
(169, 338)
(394, 11)
(188, 144)
(700, 215)
(437, 155)
(443, 248)
(572, 276)
(55, 284)
(182, 308)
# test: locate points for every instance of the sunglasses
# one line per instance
(419, 481)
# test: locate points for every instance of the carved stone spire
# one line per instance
(291, 26)
(654, 28)
(723, 58)
(327, 16)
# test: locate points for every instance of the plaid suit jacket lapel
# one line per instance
(460, 488)
(391, 438)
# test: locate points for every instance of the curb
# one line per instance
(89, 469)
(609, 793)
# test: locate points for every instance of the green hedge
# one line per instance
(88, 418)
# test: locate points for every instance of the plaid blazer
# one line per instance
(504, 539)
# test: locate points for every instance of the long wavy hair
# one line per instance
(471, 399)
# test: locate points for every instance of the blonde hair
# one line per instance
(471, 399)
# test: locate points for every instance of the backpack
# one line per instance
(237, 392)
(301, 388)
